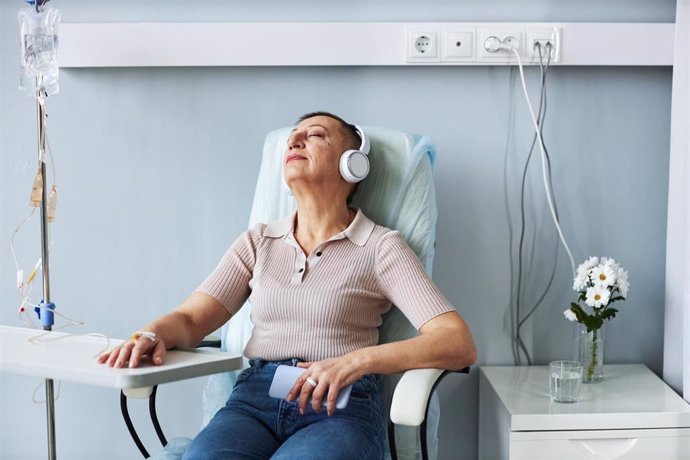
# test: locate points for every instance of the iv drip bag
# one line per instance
(39, 46)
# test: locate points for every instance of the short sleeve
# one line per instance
(403, 280)
(229, 282)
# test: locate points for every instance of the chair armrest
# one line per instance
(412, 393)
(408, 406)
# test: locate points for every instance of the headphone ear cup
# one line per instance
(354, 166)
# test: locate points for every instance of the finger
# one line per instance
(123, 356)
(113, 357)
(159, 353)
(103, 357)
(304, 365)
(304, 395)
(333, 392)
(140, 348)
(317, 396)
(297, 387)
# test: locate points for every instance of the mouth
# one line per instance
(294, 157)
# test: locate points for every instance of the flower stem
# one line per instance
(593, 361)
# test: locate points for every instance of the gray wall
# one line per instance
(156, 171)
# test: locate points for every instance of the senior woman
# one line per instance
(319, 282)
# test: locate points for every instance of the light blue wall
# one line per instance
(156, 171)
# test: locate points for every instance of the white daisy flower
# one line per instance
(603, 275)
(608, 261)
(588, 264)
(570, 315)
(597, 296)
(622, 281)
(581, 279)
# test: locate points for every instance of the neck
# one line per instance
(318, 220)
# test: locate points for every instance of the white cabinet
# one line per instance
(631, 414)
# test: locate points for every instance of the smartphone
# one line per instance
(285, 378)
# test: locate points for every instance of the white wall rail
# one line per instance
(358, 44)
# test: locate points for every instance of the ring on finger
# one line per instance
(312, 382)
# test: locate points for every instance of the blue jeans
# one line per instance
(252, 425)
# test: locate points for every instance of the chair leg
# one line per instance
(391, 440)
(154, 417)
(422, 428)
(422, 436)
(130, 426)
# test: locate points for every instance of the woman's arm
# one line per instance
(201, 313)
(186, 326)
(445, 342)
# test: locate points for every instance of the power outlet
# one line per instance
(422, 46)
(512, 37)
(542, 37)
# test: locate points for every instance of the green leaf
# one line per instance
(580, 314)
(593, 323)
(609, 313)
(617, 298)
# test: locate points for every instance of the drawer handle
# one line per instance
(604, 449)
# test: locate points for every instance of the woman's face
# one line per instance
(313, 155)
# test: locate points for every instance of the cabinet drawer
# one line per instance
(601, 445)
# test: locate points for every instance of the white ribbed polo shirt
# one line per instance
(329, 302)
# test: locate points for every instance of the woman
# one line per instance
(318, 281)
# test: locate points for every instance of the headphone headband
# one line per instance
(364, 146)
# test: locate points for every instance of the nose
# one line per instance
(295, 141)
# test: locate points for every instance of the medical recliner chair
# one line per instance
(399, 194)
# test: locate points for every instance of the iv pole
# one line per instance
(46, 307)
(50, 400)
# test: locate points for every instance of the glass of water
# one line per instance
(565, 381)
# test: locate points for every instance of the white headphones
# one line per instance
(354, 164)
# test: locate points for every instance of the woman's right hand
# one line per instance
(130, 352)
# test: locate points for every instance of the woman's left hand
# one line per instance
(322, 381)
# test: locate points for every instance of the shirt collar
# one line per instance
(360, 229)
(280, 228)
(358, 232)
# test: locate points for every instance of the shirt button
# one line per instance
(301, 270)
(318, 254)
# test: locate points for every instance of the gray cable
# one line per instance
(519, 344)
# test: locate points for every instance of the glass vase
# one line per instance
(590, 352)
